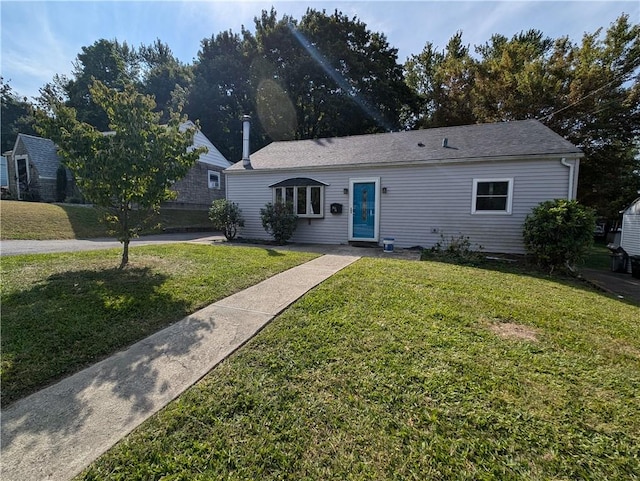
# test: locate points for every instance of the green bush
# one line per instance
(227, 217)
(279, 220)
(559, 233)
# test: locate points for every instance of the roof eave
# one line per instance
(467, 160)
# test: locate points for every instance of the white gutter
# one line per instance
(572, 166)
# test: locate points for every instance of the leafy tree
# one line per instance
(588, 93)
(443, 82)
(599, 110)
(127, 171)
(226, 216)
(279, 220)
(513, 81)
(340, 78)
(221, 92)
(323, 76)
(558, 233)
(15, 116)
(113, 63)
(162, 73)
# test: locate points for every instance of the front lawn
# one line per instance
(412, 370)
(61, 312)
(41, 221)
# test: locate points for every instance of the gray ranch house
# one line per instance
(478, 181)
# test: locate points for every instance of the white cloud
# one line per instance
(32, 52)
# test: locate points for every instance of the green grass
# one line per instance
(599, 257)
(400, 370)
(61, 312)
(40, 221)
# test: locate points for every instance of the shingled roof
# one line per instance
(508, 140)
(42, 153)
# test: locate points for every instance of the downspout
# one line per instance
(563, 161)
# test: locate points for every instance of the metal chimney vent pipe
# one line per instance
(246, 124)
(445, 142)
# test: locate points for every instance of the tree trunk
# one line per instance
(125, 254)
(124, 223)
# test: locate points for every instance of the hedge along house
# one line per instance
(205, 181)
(478, 181)
(32, 168)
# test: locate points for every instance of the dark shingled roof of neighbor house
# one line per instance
(42, 153)
(522, 138)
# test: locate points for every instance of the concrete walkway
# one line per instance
(57, 432)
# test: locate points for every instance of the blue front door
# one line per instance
(363, 215)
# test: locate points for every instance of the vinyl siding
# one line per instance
(213, 155)
(422, 203)
(630, 239)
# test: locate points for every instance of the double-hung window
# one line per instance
(214, 179)
(492, 196)
(306, 196)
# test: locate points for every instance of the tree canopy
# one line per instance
(15, 115)
(323, 76)
(328, 74)
(587, 92)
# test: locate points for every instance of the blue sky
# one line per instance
(41, 39)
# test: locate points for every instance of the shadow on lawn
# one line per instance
(521, 267)
(75, 319)
(85, 221)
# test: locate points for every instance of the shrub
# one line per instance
(558, 233)
(279, 220)
(455, 249)
(226, 216)
(61, 184)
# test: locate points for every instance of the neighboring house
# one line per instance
(33, 163)
(479, 181)
(205, 182)
(4, 178)
(32, 167)
(4, 175)
(630, 236)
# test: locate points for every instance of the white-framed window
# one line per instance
(306, 196)
(22, 174)
(492, 196)
(214, 179)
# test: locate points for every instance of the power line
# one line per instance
(593, 92)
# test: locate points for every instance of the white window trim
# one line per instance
(214, 185)
(492, 212)
(17, 175)
(295, 199)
